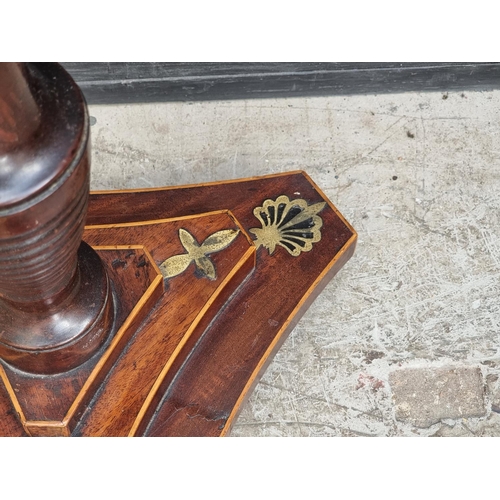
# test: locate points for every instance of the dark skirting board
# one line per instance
(129, 82)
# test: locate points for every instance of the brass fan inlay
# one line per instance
(294, 225)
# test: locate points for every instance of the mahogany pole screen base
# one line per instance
(195, 289)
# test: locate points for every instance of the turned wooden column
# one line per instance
(56, 304)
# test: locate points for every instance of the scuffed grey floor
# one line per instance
(405, 340)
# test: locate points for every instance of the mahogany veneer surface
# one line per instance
(186, 353)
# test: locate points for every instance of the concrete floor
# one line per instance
(405, 340)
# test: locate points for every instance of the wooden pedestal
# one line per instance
(207, 281)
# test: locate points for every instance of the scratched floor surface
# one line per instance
(405, 340)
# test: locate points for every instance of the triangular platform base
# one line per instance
(208, 280)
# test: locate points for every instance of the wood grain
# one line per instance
(186, 363)
(61, 398)
(234, 350)
(175, 317)
(55, 302)
(161, 320)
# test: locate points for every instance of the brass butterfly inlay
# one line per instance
(198, 253)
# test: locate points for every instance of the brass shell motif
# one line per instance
(294, 225)
(197, 253)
